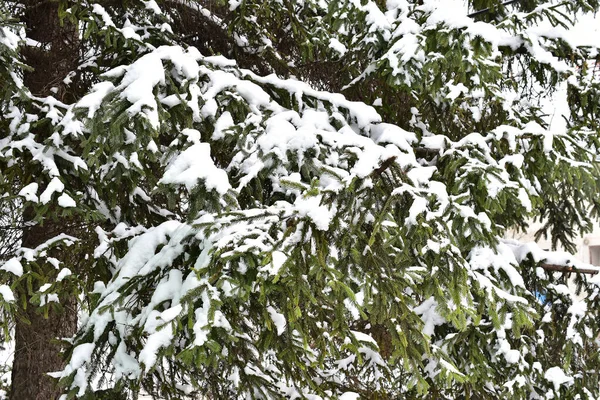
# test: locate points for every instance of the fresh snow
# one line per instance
(201, 262)
(7, 294)
(193, 165)
(54, 186)
(558, 377)
(13, 266)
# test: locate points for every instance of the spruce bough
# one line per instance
(308, 200)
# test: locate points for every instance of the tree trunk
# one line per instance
(36, 351)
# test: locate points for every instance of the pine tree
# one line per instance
(35, 333)
(275, 199)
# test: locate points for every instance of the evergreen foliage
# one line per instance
(309, 199)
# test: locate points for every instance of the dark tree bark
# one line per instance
(36, 350)
(37, 353)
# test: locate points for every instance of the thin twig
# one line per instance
(486, 10)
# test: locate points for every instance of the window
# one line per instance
(595, 255)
